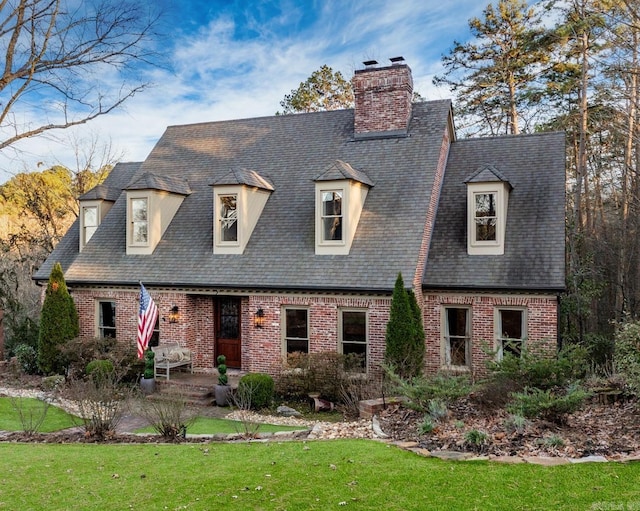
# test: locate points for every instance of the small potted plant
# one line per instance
(222, 389)
(148, 381)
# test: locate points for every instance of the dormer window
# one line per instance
(238, 200)
(487, 204)
(340, 195)
(140, 221)
(152, 202)
(94, 205)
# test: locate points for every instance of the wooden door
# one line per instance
(228, 330)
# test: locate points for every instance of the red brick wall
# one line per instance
(541, 324)
(382, 98)
(264, 350)
(262, 347)
(431, 215)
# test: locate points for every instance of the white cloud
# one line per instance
(216, 75)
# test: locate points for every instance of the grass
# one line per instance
(32, 410)
(210, 426)
(358, 474)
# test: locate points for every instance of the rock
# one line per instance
(377, 430)
(286, 411)
(589, 459)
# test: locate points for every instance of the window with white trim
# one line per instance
(139, 220)
(89, 222)
(353, 339)
(510, 331)
(331, 216)
(228, 218)
(106, 319)
(457, 336)
(485, 216)
(296, 330)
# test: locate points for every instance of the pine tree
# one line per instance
(58, 323)
(402, 334)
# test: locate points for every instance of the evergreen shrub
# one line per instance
(256, 389)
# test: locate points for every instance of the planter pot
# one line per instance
(223, 395)
(148, 385)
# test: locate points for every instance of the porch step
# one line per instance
(197, 394)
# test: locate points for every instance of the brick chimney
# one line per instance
(382, 98)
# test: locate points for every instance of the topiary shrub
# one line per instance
(255, 390)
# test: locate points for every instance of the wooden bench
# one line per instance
(170, 356)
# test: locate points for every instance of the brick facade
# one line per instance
(262, 348)
(541, 324)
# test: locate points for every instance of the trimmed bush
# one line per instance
(27, 358)
(256, 390)
(99, 368)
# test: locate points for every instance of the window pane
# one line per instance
(332, 203)
(457, 322)
(139, 210)
(511, 324)
(229, 218)
(90, 217)
(354, 326)
(229, 319)
(296, 323)
(485, 204)
(458, 351)
(140, 232)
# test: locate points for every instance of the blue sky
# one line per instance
(237, 59)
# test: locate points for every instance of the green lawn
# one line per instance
(32, 410)
(210, 426)
(321, 475)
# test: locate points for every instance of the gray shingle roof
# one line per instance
(535, 234)
(150, 181)
(291, 151)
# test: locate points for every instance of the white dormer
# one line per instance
(487, 205)
(94, 206)
(238, 200)
(340, 195)
(152, 202)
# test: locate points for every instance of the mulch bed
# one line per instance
(611, 430)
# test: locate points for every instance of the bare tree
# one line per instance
(64, 57)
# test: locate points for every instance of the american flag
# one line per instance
(146, 320)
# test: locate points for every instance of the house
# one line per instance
(266, 236)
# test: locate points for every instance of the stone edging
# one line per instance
(547, 461)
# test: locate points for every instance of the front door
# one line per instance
(228, 330)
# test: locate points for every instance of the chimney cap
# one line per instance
(396, 60)
(370, 63)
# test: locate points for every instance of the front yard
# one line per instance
(350, 474)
